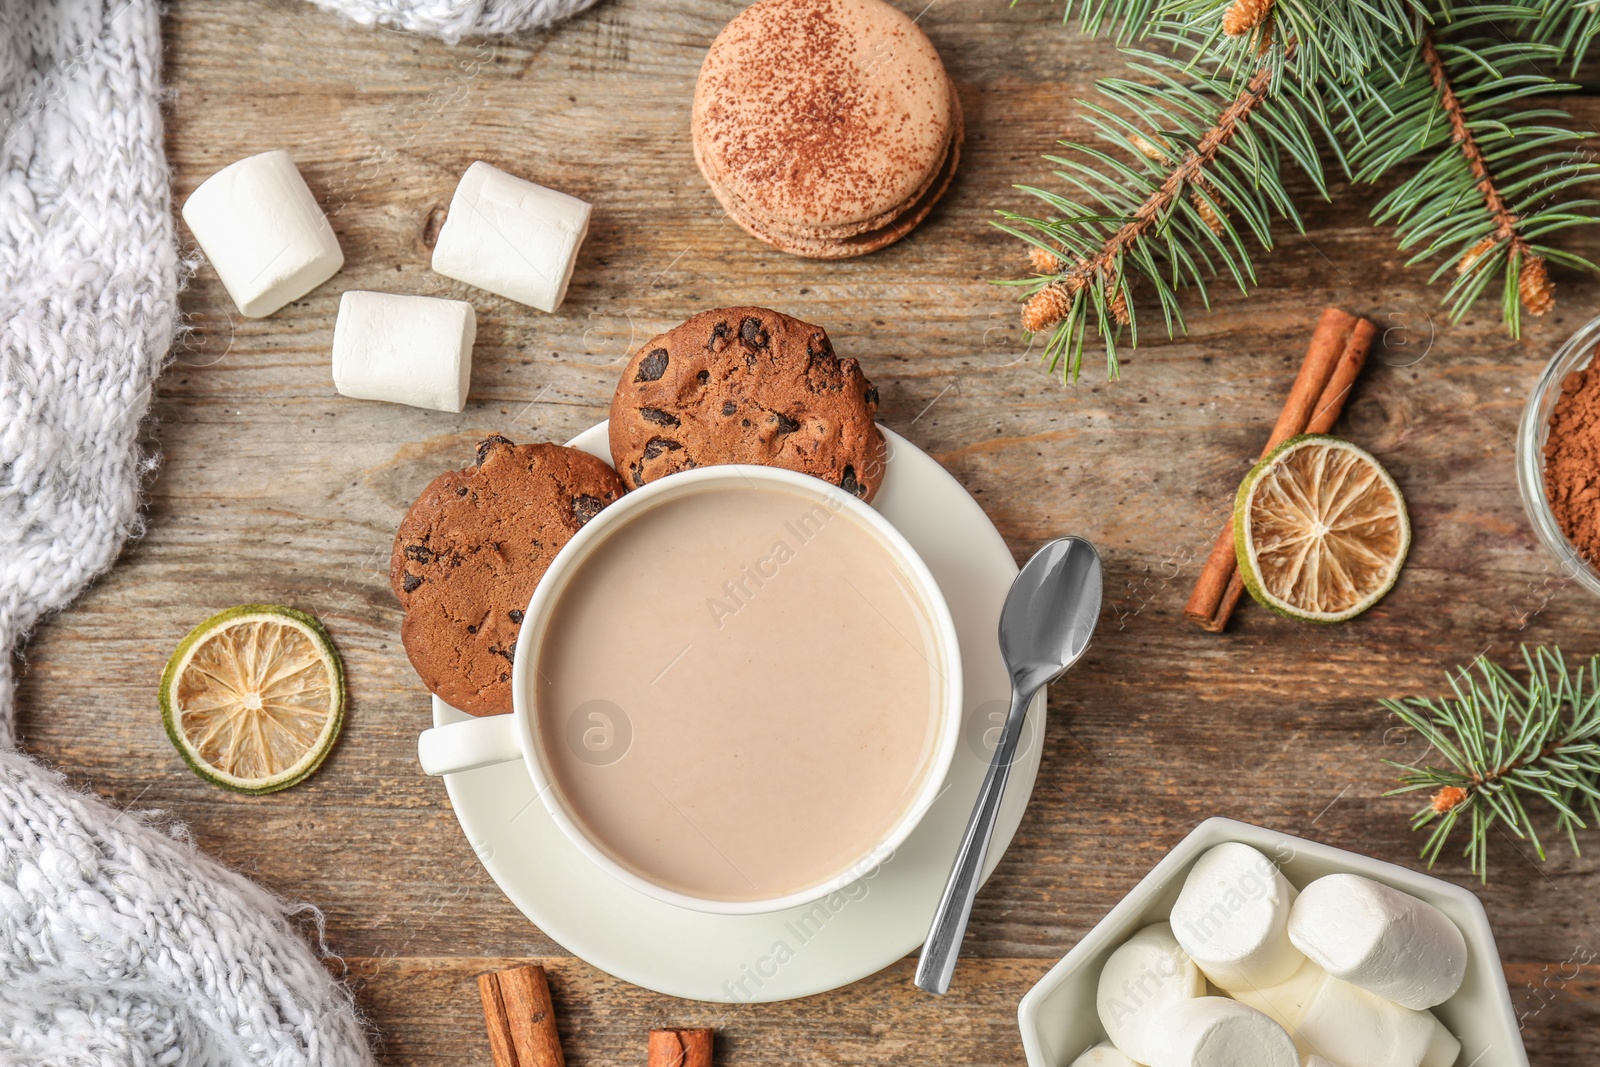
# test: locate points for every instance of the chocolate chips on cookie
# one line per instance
(746, 385)
(471, 550)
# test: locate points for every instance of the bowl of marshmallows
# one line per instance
(1246, 947)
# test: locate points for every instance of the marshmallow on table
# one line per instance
(512, 237)
(1376, 937)
(413, 350)
(1349, 1026)
(1218, 1032)
(262, 230)
(1104, 1054)
(1146, 975)
(1232, 918)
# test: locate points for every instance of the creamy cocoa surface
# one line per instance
(738, 693)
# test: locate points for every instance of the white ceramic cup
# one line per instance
(482, 742)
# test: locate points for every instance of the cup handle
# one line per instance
(466, 746)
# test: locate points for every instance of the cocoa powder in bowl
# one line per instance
(1572, 460)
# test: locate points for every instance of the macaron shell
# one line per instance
(822, 114)
(759, 218)
(828, 233)
(900, 222)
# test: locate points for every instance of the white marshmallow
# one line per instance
(1285, 1002)
(1314, 1060)
(262, 230)
(1232, 918)
(1141, 979)
(1349, 1026)
(1218, 1032)
(1104, 1054)
(1385, 941)
(413, 350)
(512, 237)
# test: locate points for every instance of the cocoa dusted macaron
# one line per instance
(826, 128)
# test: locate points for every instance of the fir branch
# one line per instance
(1333, 41)
(1536, 291)
(1493, 176)
(1506, 743)
(1200, 162)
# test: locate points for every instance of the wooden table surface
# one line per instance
(273, 488)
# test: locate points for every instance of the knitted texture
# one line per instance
(454, 19)
(119, 945)
(88, 294)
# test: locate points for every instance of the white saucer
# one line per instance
(842, 938)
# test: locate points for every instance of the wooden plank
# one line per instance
(274, 488)
(431, 1006)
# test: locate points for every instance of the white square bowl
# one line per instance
(1058, 1016)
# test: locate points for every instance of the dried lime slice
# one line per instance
(1320, 530)
(253, 698)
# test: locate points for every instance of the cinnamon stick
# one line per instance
(680, 1048)
(1337, 353)
(1331, 404)
(521, 1022)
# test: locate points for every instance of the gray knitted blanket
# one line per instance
(119, 943)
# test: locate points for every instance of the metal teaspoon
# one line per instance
(1049, 615)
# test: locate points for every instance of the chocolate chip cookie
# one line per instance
(470, 551)
(746, 385)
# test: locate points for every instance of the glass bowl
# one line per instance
(1531, 435)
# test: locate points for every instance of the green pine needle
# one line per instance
(1124, 20)
(1496, 175)
(1504, 743)
(1569, 25)
(1187, 183)
(1331, 41)
(1438, 91)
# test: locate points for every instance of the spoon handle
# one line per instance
(943, 946)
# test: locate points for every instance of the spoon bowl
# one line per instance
(1050, 612)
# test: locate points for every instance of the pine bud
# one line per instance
(1538, 291)
(1044, 262)
(1245, 15)
(1475, 253)
(1208, 214)
(1448, 799)
(1149, 150)
(1046, 307)
(1119, 308)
